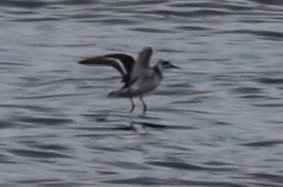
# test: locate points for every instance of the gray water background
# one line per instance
(216, 122)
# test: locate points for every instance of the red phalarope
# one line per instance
(137, 75)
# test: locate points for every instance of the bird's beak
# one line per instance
(173, 66)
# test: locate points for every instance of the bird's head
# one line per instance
(164, 64)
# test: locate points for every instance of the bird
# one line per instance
(138, 77)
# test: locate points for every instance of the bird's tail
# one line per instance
(119, 93)
(114, 93)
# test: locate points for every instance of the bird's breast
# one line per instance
(145, 84)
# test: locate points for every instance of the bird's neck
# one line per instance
(158, 70)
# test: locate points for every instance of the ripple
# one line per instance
(269, 34)
(24, 3)
(117, 21)
(77, 2)
(49, 121)
(7, 124)
(29, 107)
(37, 153)
(269, 105)
(137, 181)
(196, 13)
(4, 159)
(48, 182)
(263, 143)
(223, 5)
(268, 2)
(151, 30)
(128, 165)
(187, 166)
(270, 80)
(160, 126)
(177, 165)
(274, 35)
(193, 28)
(48, 96)
(36, 19)
(269, 177)
(222, 123)
(51, 147)
(7, 64)
(247, 90)
(135, 3)
(171, 181)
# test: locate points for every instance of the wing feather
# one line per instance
(142, 64)
(122, 62)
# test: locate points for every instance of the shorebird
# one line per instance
(137, 75)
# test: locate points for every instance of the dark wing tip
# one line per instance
(83, 62)
(148, 50)
(99, 60)
(87, 61)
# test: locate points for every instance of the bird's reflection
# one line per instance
(123, 122)
(144, 126)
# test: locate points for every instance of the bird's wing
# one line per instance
(122, 62)
(142, 64)
(126, 60)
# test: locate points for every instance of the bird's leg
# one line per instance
(144, 105)
(133, 105)
(132, 126)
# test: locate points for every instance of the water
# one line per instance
(216, 122)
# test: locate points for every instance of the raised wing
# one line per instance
(122, 62)
(142, 64)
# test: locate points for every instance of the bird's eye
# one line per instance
(165, 63)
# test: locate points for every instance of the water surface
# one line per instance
(216, 122)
